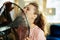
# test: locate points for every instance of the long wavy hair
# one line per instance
(39, 21)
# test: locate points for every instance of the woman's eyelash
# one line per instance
(27, 8)
(24, 7)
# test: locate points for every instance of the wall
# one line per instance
(54, 4)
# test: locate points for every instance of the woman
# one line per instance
(36, 33)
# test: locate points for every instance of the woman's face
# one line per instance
(30, 10)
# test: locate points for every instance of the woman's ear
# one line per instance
(36, 20)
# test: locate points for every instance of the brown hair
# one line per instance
(36, 6)
(39, 21)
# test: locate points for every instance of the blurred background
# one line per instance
(50, 8)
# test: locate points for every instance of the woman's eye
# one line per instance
(24, 7)
(27, 8)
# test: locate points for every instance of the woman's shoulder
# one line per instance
(40, 33)
(36, 29)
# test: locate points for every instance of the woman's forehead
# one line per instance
(30, 5)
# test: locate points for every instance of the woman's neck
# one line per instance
(32, 25)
